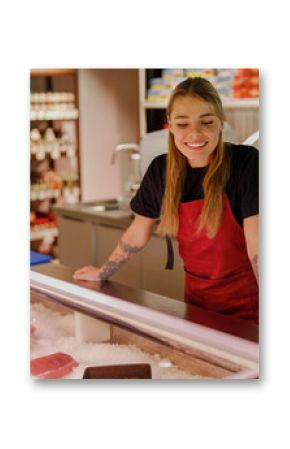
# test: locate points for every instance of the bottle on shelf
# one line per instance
(70, 190)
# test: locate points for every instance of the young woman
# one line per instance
(204, 192)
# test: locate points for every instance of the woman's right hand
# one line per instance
(87, 274)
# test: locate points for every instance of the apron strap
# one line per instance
(170, 254)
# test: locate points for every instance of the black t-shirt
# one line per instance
(242, 188)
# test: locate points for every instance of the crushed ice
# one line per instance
(55, 333)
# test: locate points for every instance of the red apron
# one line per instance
(219, 275)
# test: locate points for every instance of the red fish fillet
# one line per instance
(52, 366)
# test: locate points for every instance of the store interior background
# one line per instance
(73, 137)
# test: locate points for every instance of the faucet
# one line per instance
(125, 147)
(133, 183)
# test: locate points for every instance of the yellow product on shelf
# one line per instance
(172, 73)
(159, 84)
(204, 73)
(158, 95)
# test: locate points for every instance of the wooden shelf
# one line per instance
(52, 72)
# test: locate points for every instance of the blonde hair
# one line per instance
(176, 165)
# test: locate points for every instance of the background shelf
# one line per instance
(243, 103)
(54, 115)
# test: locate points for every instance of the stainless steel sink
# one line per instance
(106, 205)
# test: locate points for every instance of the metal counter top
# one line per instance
(121, 217)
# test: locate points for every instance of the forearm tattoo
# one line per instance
(255, 265)
(110, 268)
(128, 248)
(113, 265)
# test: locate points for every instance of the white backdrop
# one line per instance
(148, 34)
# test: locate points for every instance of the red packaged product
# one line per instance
(52, 366)
(248, 72)
(41, 220)
(253, 93)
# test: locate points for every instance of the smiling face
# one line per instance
(196, 129)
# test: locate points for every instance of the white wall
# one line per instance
(108, 103)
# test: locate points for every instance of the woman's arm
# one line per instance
(251, 230)
(132, 241)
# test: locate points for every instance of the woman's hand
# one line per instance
(87, 274)
(133, 240)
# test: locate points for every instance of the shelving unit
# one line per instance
(242, 114)
(54, 149)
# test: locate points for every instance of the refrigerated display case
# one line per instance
(185, 341)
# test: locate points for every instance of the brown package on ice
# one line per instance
(130, 371)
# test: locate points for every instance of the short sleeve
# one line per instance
(148, 199)
(249, 183)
